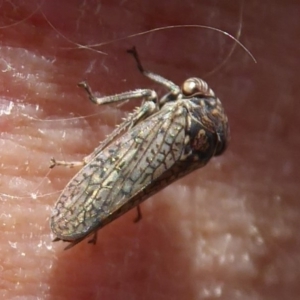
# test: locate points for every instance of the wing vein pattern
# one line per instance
(122, 170)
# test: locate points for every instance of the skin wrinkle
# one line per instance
(227, 231)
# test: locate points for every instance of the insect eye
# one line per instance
(190, 87)
(194, 86)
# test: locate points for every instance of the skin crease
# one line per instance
(227, 231)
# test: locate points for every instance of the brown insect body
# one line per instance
(159, 143)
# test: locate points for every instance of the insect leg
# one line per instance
(69, 164)
(147, 94)
(174, 89)
(93, 240)
(139, 215)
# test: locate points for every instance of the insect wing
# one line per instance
(119, 172)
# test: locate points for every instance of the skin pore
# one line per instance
(226, 231)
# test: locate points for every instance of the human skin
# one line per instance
(229, 230)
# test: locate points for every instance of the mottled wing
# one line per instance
(119, 172)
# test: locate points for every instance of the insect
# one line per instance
(159, 142)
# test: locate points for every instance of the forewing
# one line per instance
(119, 172)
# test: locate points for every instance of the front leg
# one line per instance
(147, 94)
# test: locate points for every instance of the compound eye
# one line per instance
(196, 87)
(190, 87)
